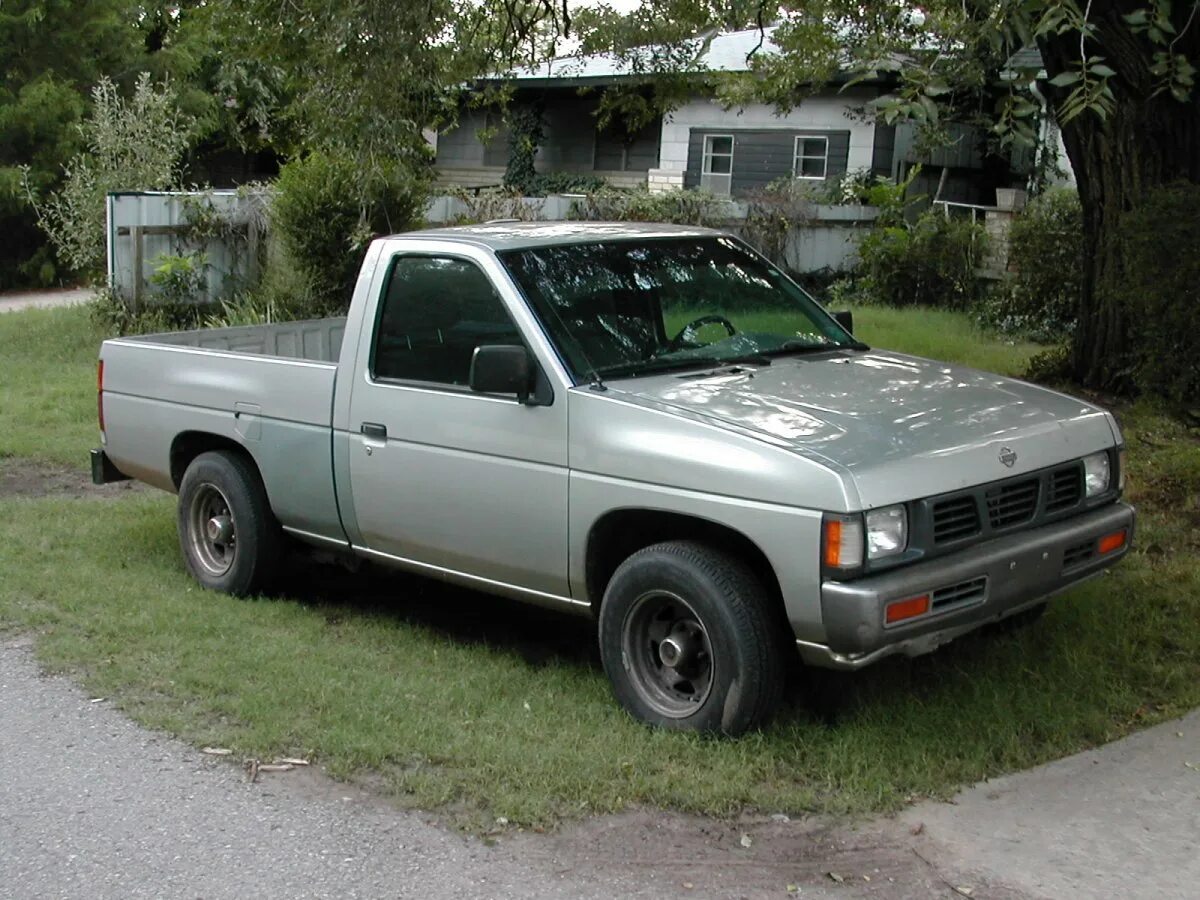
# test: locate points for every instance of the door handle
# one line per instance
(374, 430)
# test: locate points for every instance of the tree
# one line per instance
(1120, 81)
(365, 78)
(54, 51)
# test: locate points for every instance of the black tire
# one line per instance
(230, 539)
(681, 602)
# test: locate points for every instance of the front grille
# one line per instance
(947, 522)
(1065, 489)
(1079, 554)
(1013, 503)
(964, 592)
(955, 519)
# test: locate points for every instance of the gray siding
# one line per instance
(569, 128)
(460, 147)
(618, 151)
(570, 141)
(763, 156)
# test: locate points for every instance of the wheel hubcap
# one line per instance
(220, 529)
(211, 530)
(668, 654)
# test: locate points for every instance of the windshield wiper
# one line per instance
(802, 347)
(648, 366)
(667, 363)
(754, 359)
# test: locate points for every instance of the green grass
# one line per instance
(480, 708)
(937, 334)
(946, 336)
(48, 385)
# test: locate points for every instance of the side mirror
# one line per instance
(501, 369)
(845, 318)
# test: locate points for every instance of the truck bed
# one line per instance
(316, 340)
(268, 388)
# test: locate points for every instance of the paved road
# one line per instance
(1122, 820)
(93, 806)
(42, 299)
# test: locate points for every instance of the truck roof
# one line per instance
(506, 235)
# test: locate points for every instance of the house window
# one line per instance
(811, 156)
(716, 172)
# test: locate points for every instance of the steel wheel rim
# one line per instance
(668, 654)
(212, 530)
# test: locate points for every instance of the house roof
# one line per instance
(728, 52)
(1025, 58)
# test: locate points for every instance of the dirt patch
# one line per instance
(23, 478)
(756, 857)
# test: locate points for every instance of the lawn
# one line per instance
(48, 385)
(480, 708)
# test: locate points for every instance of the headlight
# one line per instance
(1096, 473)
(887, 531)
(843, 542)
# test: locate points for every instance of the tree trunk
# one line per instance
(1149, 140)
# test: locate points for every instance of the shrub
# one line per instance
(773, 213)
(326, 212)
(1041, 298)
(930, 262)
(112, 315)
(525, 134)
(547, 183)
(1161, 286)
(686, 207)
(131, 145)
(494, 203)
(179, 277)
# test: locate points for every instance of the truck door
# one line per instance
(444, 478)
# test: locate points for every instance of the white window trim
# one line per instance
(707, 154)
(796, 157)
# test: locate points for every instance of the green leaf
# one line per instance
(1102, 70)
(1065, 79)
(1137, 17)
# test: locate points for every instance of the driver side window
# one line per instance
(435, 312)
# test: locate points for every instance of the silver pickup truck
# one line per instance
(646, 424)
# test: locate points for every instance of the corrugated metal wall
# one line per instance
(129, 272)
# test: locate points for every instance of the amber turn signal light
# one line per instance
(1111, 542)
(906, 609)
(833, 543)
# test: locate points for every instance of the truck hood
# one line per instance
(900, 426)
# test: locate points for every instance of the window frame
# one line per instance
(438, 386)
(707, 154)
(798, 157)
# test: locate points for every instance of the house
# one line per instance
(701, 144)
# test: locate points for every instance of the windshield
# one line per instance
(632, 307)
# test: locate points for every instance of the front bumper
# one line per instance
(967, 590)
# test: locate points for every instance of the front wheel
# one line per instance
(228, 534)
(688, 640)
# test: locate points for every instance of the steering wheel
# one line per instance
(676, 342)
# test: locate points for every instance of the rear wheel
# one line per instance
(689, 642)
(228, 534)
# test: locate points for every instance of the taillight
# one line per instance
(100, 394)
